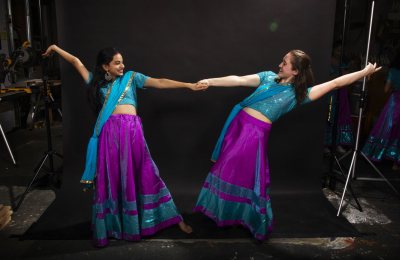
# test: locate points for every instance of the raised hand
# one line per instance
(370, 69)
(49, 51)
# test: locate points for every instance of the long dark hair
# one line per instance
(104, 57)
(305, 78)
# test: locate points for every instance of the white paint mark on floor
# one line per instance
(370, 215)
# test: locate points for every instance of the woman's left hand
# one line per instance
(371, 68)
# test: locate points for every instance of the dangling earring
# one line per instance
(107, 76)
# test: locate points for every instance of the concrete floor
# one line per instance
(379, 221)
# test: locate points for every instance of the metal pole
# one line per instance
(41, 23)
(10, 28)
(28, 22)
(362, 100)
(343, 33)
(45, 89)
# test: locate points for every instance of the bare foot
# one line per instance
(185, 228)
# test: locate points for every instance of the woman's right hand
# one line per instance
(49, 50)
(74, 61)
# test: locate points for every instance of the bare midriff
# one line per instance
(131, 110)
(124, 109)
(256, 114)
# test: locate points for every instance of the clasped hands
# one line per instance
(200, 85)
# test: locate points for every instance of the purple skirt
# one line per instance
(384, 140)
(130, 198)
(236, 191)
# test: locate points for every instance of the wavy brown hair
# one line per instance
(305, 77)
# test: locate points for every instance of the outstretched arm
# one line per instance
(69, 58)
(339, 82)
(167, 83)
(233, 81)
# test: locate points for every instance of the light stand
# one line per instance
(356, 151)
(331, 175)
(50, 152)
(36, 99)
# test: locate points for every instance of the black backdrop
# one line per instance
(190, 40)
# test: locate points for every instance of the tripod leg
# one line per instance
(380, 173)
(31, 183)
(350, 188)
(8, 147)
(52, 99)
(59, 155)
(347, 181)
(345, 155)
(33, 110)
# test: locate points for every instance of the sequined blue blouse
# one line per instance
(394, 78)
(276, 105)
(130, 96)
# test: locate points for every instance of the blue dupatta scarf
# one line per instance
(115, 93)
(258, 95)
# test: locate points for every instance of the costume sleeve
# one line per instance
(262, 76)
(307, 98)
(266, 76)
(139, 80)
(89, 79)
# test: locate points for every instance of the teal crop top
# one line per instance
(279, 104)
(130, 96)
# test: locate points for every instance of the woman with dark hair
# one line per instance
(130, 198)
(236, 190)
(384, 140)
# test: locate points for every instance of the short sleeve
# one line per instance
(90, 78)
(139, 80)
(266, 76)
(307, 98)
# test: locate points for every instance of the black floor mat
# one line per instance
(295, 216)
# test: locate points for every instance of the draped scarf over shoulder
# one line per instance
(114, 95)
(258, 95)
